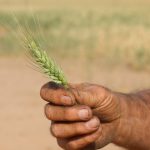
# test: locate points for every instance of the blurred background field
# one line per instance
(116, 33)
(101, 41)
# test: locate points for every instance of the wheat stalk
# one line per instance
(47, 65)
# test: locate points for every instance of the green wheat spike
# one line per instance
(47, 65)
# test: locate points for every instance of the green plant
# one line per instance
(47, 65)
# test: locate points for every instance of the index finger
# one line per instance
(57, 94)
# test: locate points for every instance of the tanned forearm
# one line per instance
(134, 129)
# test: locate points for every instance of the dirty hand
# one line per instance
(82, 115)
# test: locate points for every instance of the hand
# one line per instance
(81, 115)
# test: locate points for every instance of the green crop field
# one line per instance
(114, 33)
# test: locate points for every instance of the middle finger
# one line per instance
(62, 113)
(67, 130)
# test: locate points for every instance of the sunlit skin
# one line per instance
(88, 116)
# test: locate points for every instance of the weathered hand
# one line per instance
(82, 115)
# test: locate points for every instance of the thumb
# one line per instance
(84, 94)
(103, 102)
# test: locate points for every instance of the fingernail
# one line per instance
(94, 123)
(66, 100)
(84, 114)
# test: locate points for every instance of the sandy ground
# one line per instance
(22, 121)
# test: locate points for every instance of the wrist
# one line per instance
(132, 109)
(123, 128)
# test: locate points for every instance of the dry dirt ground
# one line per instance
(22, 121)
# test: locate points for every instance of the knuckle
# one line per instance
(84, 85)
(54, 130)
(65, 114)
(48, 112)
(61, 143)
(68, 113)
(79, 128)
(72, 146)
